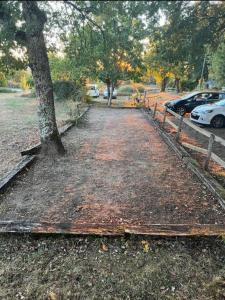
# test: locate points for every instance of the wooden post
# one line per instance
(154, 111)
(179, 128)
(148, 104)
(78, 109)
(145, 96)
(164, 117)
(210, 146)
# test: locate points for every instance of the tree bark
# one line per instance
(111, 94)
(39, 64)
(108, 91)
(177, 84)
(163, 84)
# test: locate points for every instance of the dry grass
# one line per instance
(111, 268)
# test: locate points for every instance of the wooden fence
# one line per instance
(211, 137)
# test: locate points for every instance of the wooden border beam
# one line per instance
(112, 229)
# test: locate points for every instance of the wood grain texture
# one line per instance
(113, 229)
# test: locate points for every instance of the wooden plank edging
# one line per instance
(11, 175)
(213, 186)
(29, 157)
(104, 229)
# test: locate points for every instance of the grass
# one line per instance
(59, 267)
(24, 109)
(19, 126)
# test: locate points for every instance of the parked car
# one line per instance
(93, 90)
(210, 114)
(187, 103)
(105, 94)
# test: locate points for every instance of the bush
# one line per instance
(63, 89)
(3, 80)
(24, 83)
(141, 89)
(68, 90)
(125, 89)
(188, 85)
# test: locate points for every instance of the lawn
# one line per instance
(19, 126)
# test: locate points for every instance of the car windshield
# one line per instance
(189, 96)
(220, 103)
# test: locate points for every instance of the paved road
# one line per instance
(118, 173)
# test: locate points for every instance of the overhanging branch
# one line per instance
(87, 17)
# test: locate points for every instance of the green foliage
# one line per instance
(3, 80)
(10, 16)
(218, 65)
(188, 85)
(111, 49)
(63, 89)
(21, 79)
(68, 90)
(63, 69)
(177, 49)
(125, 90)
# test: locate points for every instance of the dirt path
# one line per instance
(118, 172)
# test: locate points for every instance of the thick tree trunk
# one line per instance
(39, 64)
(163, 84)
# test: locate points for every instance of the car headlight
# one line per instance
(208, 111)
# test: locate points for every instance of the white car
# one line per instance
(210, 114)
(93, 90)
(105, 94)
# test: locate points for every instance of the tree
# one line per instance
(31, 36)
(180, 45)
(112, 49)
(218, 65)
(38, 62)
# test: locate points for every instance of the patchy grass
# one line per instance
(19, 126)
(58, 267)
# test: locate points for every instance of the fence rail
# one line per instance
(210, 155)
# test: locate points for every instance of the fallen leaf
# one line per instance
(104, 247)
(145, 245)
(52, 296)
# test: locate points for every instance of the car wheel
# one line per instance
(181, 110)
(218, 122)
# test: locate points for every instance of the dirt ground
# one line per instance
(19, 128)
(118, 172)
(57, 267)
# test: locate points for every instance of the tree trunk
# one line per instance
(177, 84)
(163, 84)
(111, 94)
(39, 64)
(108, 91)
